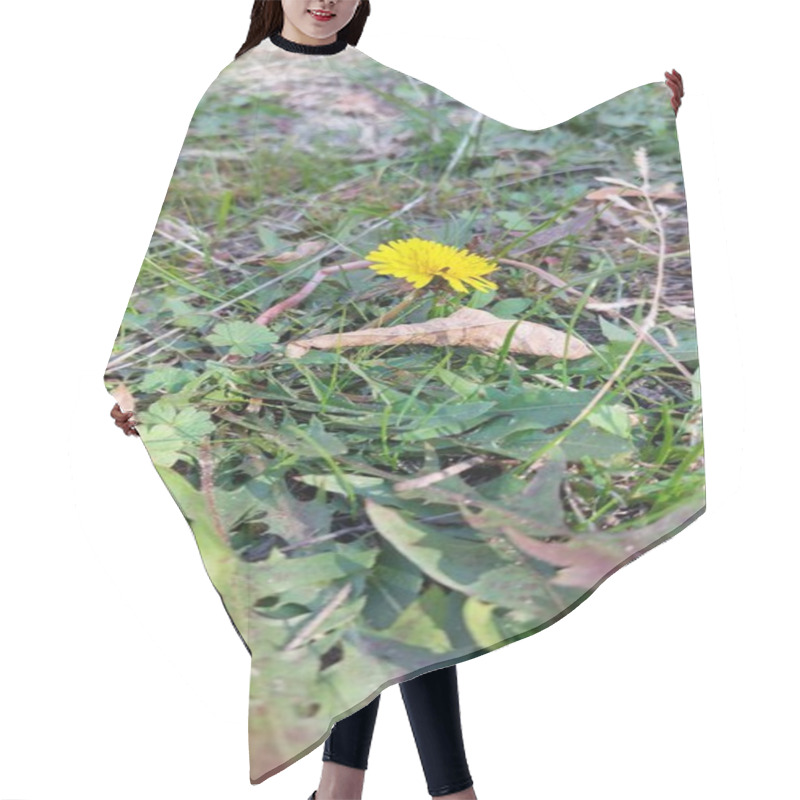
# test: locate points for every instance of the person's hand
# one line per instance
(675, 83)
(123, 420)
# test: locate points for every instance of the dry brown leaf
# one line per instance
(588, 559)
(664, 192)
(467, 327)
(303, 250)
(555, 233)
(122, 394)
(681, 311)
(582, 563)
(620, 203)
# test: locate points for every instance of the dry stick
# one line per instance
(128, 353)
(527, 178)
(196, 251)
(300, 267)
(640, 336)
(207, 488)
(389, 315)
(593, 305)
(600, 308)
(554, 382)
(542, 273)
(569, 494)
(272, 312)
(660, 347)
(278, 278)
(431, 191)
(265, 317)
(440, 475)
(308, 630)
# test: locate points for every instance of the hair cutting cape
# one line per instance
(418, 380)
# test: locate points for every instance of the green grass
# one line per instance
(391, 411)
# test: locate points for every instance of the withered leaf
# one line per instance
(667, 191)
(588, 559)
(467, 327)
(303, 250)
(124, 397)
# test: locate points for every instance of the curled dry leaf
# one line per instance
(467, 327)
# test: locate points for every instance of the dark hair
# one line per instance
(266, 18)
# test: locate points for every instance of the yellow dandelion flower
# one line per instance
(419, 261)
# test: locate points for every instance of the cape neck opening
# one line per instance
(309, 49)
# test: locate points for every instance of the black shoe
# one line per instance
(313, 795)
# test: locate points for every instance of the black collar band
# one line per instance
(310, 49)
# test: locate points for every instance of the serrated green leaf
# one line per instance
(188, 424)
(243, 338)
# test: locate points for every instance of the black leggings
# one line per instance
(431, 701)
